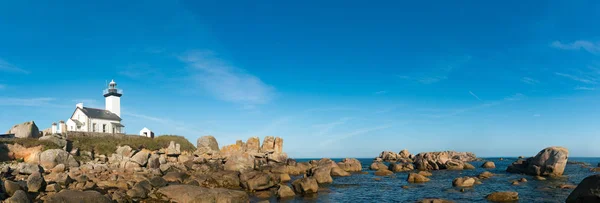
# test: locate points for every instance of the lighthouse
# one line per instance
(112, 97)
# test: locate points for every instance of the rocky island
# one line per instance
(40, 167)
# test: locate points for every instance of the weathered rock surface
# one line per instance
(417, 178)
(503, 197)
(383, 172)
(35, 182)
(25, 130)
(548, 162)
(190, 193)
(52, 157)
(442, 160)
(306, 185)
(78, 196)
(257, 180)
(29, 155)
(268, 144)
(435, 201)
(239, 162)
(285, 192)
(401, 167)
(18, 197)
(253, 144)
(464, 182)
(207, 145)
(377, 165)
(350, 165)
(587, 191)
(485, 175)
(488, 164)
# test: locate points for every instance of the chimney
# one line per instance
(80, 105)
(62, 127)
(54, 128)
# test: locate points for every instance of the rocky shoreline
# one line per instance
(237, 172)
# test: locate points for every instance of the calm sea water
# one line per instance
(364, 187)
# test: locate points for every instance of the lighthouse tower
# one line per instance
(112, 97)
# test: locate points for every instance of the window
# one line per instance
(103, 128)
(93, 127)
(71, 127)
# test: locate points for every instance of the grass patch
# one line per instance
(30, 142)
(108, 144)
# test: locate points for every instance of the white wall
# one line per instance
(113, 104)
(100, 122)
(81, 117)
(147, 131)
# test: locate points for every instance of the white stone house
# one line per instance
(108, 120)
(147, 133)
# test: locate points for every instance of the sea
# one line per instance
(370, 188)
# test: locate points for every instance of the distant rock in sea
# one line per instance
(548, 162)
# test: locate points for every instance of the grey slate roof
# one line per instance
(100, 114)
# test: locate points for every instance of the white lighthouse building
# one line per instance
(108, 120)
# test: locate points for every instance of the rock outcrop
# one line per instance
(25, 130)
(52, 157)
(464, 182)
(350, 165)
(78, 196)
(488, 164)
(190, 193)
(442, 160)
(417, 178)
(306, 185)
(503, 196)
(587, 191)
(548, 162)
(207, 145)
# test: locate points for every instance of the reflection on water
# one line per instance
(367, 188)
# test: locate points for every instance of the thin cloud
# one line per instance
(327, 127)
(431, 80)
(355, 133)
(474, 95)
(585, 88)
(454, 112)
(164, 121)
(42, 101)
(536, 115)
(576, 78)
(2, 86)
(225, 81)
(588, 46)
(438, 73)
(530, 81)
(7, 67)
(87, 102)
(140, 71)
(381, 92)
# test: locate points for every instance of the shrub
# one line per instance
(108, 144)
(30, 142)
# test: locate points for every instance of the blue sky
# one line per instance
(334, 79)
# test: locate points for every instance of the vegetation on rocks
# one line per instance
(29, 142)
(102, 145)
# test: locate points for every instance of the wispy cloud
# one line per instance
(225, 81)
(2, 86)
(87, 102)
(585, 88)
(576, 78)
(588, 46)
(381, 92)
(327, 127)
(42, 101)
(439, 73)
(474, 95)
(530, 81)
(356, 132)
(536, 115)
(172, 124)
(441, 113)
(515, 97)
(431, 80)
(140, 71)
(7, 67)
